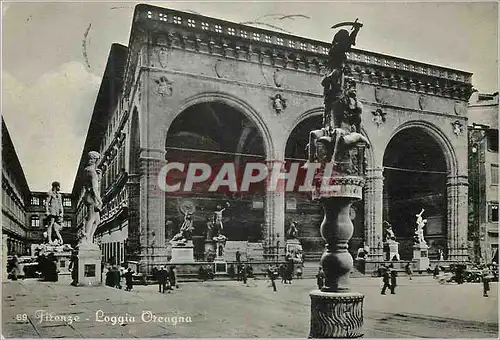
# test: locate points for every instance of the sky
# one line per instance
(49, 86)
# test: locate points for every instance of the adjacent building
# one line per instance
(190, 87)
(23, 211)
(483, 177)
(16, 233)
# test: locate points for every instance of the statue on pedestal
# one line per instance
(419, 232)
(339, 147)
(388, 232)
(92, 197)
(217, 219)
(54, 211)
(293, 231)
(186, 231)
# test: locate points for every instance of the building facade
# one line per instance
(15, 194)
(36, 214)
(483, 177)
(194, 88)
(23, 211)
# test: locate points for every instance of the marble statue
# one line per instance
(185, 233)
(54, 211)
(92, 197)
(217, 219)
(388, 232)
(293, 231)
(419, 232)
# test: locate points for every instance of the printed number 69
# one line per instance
(21, 317)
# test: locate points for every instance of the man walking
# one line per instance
(162, 279)
(394, 275)
(385, 280)
(408, 270)
(128, 280)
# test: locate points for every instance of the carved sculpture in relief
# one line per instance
(423, 102)
(378, 116)
(279, 103)
(164, 86)
(457, 127)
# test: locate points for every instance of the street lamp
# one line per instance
(277, 248)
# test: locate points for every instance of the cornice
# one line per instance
(175, 29)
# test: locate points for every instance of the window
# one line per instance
(492, 136)
(35, 221)
(35, 201)
(493, 212)
(67, 202)
(279, 41)
(494, 174)
(67, 223)
(291, 204)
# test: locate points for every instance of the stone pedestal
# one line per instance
(392, 251)
(421, 256)
(336, 315)
(336, 312)
(294, 248)
(89, 265)
(183, 254)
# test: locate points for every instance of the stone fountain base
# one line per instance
(336, 315)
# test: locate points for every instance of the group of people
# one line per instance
(114, 278)
(166, 278)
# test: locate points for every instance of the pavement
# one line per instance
(421, 308)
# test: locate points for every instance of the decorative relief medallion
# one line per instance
(279, 103)
(164, 86)
(423, 102)
(278, 78)
(217, 68)
(378, 116)
(458, 127)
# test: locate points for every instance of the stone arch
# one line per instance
(236, 103)
(430, 191)
(438, 135)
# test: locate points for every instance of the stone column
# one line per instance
(374, 213)
(457, 191)
(274, 213)
(152, 210)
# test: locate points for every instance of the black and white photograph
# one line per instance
(249, 169)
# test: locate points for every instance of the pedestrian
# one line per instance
(408, 270)
(238, 256)
(14, 268)
(385, 280)
(128, 280)
(162, 279)
(272, 277)
(116, 278)
(486, 276)
(73, 267)
(244, 273)
(320, 278)
(394, 275)
(172, 276)
(436, 272)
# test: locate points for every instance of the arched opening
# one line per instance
(215, 133)
(299, 206)
(415, 174)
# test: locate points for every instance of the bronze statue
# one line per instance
(54, 210)
(341, 129)
(92, 197)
